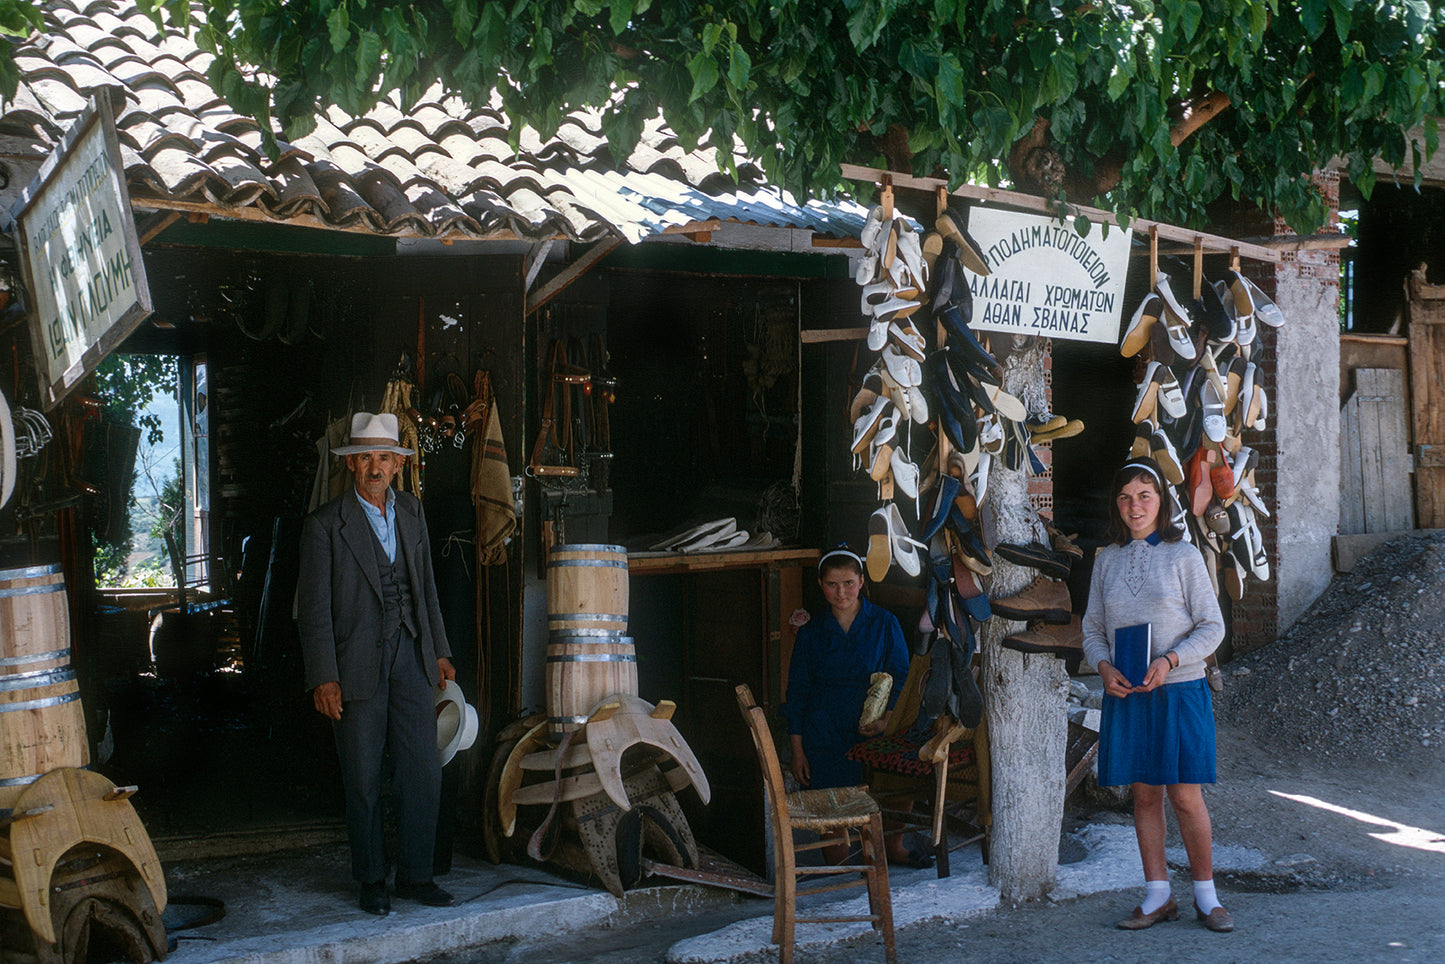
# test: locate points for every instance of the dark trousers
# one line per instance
(401, 717)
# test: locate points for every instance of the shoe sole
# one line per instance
(1054, 617)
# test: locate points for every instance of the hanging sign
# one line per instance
(1047, 280)
(80, 255)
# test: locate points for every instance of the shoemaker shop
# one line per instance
(643, 396)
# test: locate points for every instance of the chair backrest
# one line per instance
(762, 736)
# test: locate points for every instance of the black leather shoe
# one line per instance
(374, 900)
(428, 893)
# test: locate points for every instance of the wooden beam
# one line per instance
(572, 272)
(812, 336)
(536, 257)
(155, 224)
(253, 213)
(1213, 243)
(699, 227)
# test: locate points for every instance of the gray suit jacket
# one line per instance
(339, 604)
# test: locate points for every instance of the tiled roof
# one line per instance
(444, 169)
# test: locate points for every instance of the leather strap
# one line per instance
(547, 427)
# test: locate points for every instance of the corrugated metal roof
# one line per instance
(445, 168)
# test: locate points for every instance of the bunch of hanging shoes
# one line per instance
(1190, 416)
(893, 275)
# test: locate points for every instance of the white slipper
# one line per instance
(906, 337)
(872, 231)
(7, 452)
(880, 545)
(905, 474)
(904, 370)
(904, 548)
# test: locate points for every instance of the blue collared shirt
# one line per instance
(382, 523)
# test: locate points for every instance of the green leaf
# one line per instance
(703, 69)
(368, 59)
(338, 26)
(1189, 16)
(621, 15)
(740, 67)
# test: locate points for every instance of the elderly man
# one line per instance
(374, 646)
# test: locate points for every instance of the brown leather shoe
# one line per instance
(1063, 641)
(1043, 598)
(1139, 920)
(1216, 920)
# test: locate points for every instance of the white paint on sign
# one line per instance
(1047, 280)
(80, 254)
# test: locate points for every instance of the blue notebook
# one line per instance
(1131, 652)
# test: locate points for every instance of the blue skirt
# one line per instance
(1160, 738)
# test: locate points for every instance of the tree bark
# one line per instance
(1024, 696)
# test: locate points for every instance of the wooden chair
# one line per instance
(898, 776)
(822, 811)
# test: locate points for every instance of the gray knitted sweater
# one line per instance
(1165, 585)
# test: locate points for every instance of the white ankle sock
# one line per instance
(1156, 895)
(1204, 896)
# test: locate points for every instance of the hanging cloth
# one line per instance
(331, 473)
(491, 477)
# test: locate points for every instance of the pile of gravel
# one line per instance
(1361, 676)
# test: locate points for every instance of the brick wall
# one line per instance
(1255, 620)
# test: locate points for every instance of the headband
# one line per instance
(1140, 464)
(840, 551)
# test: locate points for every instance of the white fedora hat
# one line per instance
(373, 433)
(456, 721)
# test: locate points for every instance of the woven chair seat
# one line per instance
(893, 754)
(832, 808)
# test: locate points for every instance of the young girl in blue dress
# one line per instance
(1157, 737)
(828, 676)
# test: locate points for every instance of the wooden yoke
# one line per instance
(69, 807)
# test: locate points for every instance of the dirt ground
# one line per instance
(1328, 887)
(1331, 780)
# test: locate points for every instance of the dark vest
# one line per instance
(398, 608)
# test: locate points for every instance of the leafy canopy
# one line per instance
(803, 83)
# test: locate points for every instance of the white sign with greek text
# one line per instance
(1047, 280)
(81, 257)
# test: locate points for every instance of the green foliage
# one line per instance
(125, 385)
(800, 81)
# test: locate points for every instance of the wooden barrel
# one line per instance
(583, 667)
(587, 588)
(42, 725)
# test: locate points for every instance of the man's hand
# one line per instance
(327, 698)
(445, 667)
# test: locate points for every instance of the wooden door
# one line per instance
(1375, 494)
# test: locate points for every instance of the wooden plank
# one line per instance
(1384, 450)
(666, 562)
(1427, 375)
(559, 282)
(1347, 550)
(813, 336)
(1213, 243)
(1373, 485)
(1352, 505)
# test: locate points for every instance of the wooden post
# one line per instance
(1023, 694)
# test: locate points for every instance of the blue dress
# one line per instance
(827, 680)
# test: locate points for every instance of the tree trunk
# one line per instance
(1024, 696)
